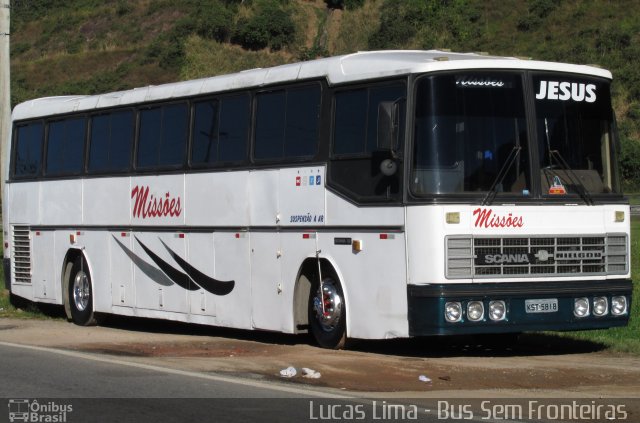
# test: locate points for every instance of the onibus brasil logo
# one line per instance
(25, 410)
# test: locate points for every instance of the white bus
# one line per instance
(373, 195)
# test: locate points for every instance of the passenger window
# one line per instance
(28, 156)
(65, 147)
(356, 118)
(111, 141)
(303, 112)
(357, 154)
(220, 131)
(287, 123)
(205, 133)
(270, 124)
(163, 136)
(350, 129)
(234, 129)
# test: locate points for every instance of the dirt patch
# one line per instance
(169, 349)
(534, 365)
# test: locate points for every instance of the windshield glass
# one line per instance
(470, 127)
(575, 142)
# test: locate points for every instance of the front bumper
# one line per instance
(427, 306)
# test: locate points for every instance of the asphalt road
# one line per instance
(74, 387)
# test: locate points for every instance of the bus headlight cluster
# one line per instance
(619, 305)
(600, 306)
(475, 311)
(581, 307)
(453, 312)
(497, 310)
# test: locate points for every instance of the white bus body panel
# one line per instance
(217, 199)
(106, 201)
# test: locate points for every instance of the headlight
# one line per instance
(600, 306)
(475, 311)
(618, 305)
(453, 312)
(497, 310)
(581, 307)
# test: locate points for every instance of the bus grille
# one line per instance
(490, 257)
(21, 254)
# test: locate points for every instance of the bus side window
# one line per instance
(204, 149)
(356, 157)
(65, 147)
(163, 136)
(287, 123)
(220, 131)
(234, 129)
(28, 156)
(110, 142)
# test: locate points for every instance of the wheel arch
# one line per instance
(309, 270)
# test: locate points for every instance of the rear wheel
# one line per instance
(81, 294)
(328, 314)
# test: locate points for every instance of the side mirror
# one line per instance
(388, 167)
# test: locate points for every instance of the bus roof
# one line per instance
(337, 70)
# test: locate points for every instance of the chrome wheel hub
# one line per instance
(329, 315)
(81, 291)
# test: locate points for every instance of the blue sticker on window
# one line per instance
(318, 180)
(311, 180)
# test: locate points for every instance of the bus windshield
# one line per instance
(575, 135)
(471, 136)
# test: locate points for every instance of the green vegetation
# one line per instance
(270, 25)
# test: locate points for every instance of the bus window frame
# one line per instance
(158, 169)
(14, 150)
(284, 160)
(134, 128)
(45, 148)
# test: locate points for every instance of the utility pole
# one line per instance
(5, 96)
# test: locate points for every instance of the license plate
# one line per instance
(549, 305)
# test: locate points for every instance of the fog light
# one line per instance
(618, 305)
(453, 312)
(600, 306)
(581, 307)
(497, 310)
(475, 311)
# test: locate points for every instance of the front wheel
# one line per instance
(328, 314)
(81, 294)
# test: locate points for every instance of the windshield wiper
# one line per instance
(555, 154)
(513, 155)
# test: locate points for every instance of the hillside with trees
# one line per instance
(91, 46)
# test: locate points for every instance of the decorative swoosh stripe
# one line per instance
(152, 273)
(207, 283)
(174, 274)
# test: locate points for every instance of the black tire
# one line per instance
(329, 330)
(81, 294)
